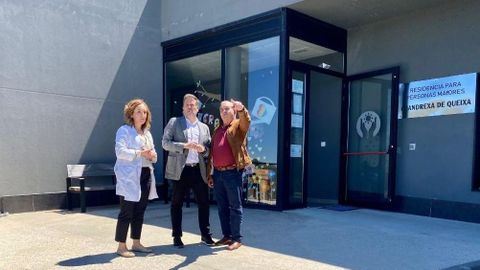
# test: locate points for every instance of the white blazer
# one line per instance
(128, 166)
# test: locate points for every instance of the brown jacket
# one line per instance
(237, 139)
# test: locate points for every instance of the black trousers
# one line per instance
(131, 213)
(190, 179)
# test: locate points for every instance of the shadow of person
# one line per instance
(191, 252)
(89, 260)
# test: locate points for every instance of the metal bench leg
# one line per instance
(82, 197)
(69, 195)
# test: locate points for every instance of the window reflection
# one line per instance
(199, 75)
(252, 76)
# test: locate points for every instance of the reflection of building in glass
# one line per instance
(199, 75)
(261, 186)
(209, 101)
(252, 76)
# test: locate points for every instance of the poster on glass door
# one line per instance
(297, 86)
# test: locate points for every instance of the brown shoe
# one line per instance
(234, 245)
(225, 241)
(125, 253)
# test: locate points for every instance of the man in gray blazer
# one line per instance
(187, 141)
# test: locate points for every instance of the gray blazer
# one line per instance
(174, 138)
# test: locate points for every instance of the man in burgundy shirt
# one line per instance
(228, 158)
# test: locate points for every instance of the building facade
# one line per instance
(341, 95)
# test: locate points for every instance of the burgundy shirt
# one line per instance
(221, 151)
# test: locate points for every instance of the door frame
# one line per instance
(392, 146)
(305, 68)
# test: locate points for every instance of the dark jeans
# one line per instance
(190, 179)
(228, 192)
(131, 213)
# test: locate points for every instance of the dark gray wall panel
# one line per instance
(66, 70)
(428, 43)
(441, 165)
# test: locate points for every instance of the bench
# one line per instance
(81, 173)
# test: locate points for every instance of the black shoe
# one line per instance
(225, 241)
(177, 242)
(207, 240)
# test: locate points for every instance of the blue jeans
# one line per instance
(228, 193)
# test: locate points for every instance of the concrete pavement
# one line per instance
(309, 238)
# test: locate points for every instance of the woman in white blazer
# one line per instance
(135, 153)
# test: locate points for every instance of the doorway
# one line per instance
(315, 135)
(370, 124)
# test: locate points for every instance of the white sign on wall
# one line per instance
(441, 96)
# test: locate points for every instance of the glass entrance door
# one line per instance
(296, 191)
(314, 126)
(370, 146)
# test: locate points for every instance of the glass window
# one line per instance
(252, 76)
(312, 54)
(199, 75)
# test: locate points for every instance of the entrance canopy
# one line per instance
(353, 13)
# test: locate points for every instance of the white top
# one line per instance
(193, 135)
(128, 166)
(147, 144)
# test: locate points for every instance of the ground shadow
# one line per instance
(191, 252)
(348, 239)
(89, 260)
(475, 265)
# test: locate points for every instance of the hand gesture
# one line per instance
(199, 148)
(237, 105)
(148, 154)
(152, 155)
(194, 146)
(190, 146)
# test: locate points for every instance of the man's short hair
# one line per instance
(190, 96)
